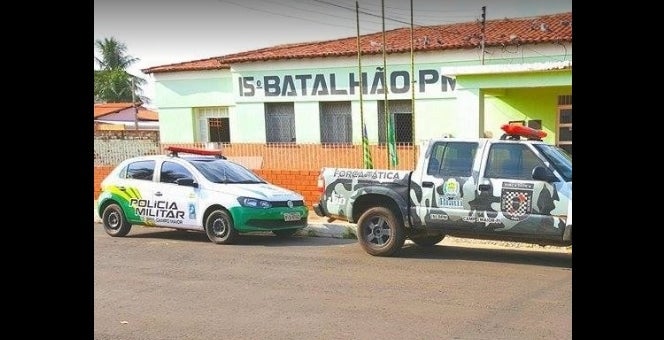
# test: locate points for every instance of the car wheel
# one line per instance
(285, 232)
(426, 240)
(115, 222)
(219, 227)
(379, 232)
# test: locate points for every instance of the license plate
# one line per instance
(292, 217)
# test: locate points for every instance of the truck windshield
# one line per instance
(559, 159)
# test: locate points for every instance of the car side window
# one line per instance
(434, 160)
(143, 170)
(453, 159)
(511, 161)
(171, 171)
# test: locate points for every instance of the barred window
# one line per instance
(280, 122)
(402, 115)
(213, 124)
(564, 135)
(336, 122)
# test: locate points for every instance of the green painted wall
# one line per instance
(247, 123)
(524, 104)
(195, 92)
(510, 80)
(307, 121)
(510, 96)
(176, 125)
(435, 118)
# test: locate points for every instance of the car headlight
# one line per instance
(253, 203)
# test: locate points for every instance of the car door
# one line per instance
(137, 186)
(175, 201)
(448, 185)
(509, 200)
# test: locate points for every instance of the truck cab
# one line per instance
(508, 189)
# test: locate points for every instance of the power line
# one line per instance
(363, 12)
(282, 14)
(308, 10)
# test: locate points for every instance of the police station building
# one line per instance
(459, 83)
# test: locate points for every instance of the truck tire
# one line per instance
(380, 233)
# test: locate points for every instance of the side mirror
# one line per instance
(188, 182)
(543, 174)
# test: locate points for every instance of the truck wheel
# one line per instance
(219, 227)
(115, 223)
(427, 240)
(379, 232)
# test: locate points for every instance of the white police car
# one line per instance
(202, 192)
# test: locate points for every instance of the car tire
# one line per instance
(219, 227)
(427, 240)
(284, 233)
(114, 221)
(380, 233)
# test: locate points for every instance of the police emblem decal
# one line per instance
(450, 197)
(516, 200)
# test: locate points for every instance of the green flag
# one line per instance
(366, 153)
(391, 142)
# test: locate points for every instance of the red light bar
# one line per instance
(523, 131)
(194, 151)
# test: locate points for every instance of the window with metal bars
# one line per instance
(219, 130)
(280, 122)
(403, 123)
(213, 124)
(564, 122)
(336, 123)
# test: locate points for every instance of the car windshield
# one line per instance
(223, 171)
(559, 159)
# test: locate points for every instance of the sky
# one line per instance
(161, 32)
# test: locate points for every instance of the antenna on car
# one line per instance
(174, 150)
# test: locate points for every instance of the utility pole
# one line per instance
(483, 22)
(133, 102)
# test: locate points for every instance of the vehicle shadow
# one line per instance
(246, 239)
(504, 255)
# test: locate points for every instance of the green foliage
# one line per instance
(112, 82)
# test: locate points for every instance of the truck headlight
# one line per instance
(249, 202)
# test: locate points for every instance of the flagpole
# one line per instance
(367, 162)
(387, 118)
(412, 87)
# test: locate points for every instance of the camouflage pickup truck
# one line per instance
(508, 189)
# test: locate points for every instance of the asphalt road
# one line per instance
(163, 284)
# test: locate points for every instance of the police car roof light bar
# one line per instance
(516, 131)
(174, 150)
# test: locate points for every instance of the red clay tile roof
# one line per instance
(194, 65)
(145, 114)
(503, 32)
(104, 109)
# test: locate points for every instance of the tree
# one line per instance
(111, 80)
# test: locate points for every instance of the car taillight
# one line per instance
(321, 183)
